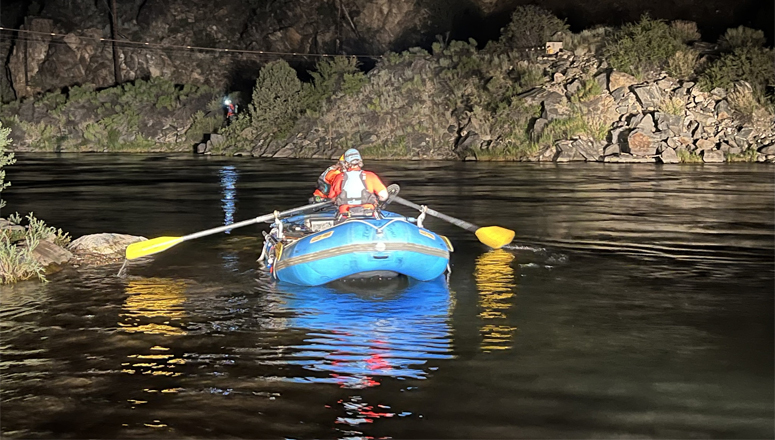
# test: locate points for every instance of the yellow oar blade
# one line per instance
(495, 236)
(150, 247)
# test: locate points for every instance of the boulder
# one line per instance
(620, 79)
(602, 80)
(216, 139)
(668, 156)
(672, 124)
(641, 143)
(767, 149)
(592, 151)
(102, 247)
(568, 153)
(548, 154)
(722, 110)
(649, 96)
(705, 144)
(646, 124)
(203, 148)
(712, 156)
(555, 107)
(49, 255)
(611, 150)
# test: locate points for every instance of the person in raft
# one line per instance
(325, 179)
(355, 191)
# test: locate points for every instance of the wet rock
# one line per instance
(51, 256)
(100, 248)
(628, 158)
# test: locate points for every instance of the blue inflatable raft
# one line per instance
(312, 250)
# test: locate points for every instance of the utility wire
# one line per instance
(179, 47)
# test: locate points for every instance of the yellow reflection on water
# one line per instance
(496, 284)
(152, 304)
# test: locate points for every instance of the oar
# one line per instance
(493, 236)
(160, 244)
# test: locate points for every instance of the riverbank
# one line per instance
(649, 91)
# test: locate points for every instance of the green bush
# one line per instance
(741, 36)
(531, 26)
(645, 46)
(278, 99)
(682, 64)
(202, 124)
(686, 31)
(6, 158)
(17, 262)
(751, 64)
(686, 156)
(337, 74)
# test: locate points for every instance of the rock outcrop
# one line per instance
(81, 53)
(102, 248)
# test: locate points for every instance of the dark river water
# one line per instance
(635, 302)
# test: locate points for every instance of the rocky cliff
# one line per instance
(75, 55)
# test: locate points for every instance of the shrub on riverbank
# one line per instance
(645, 46)
(460, 102)
(18, 243)
(137, 116)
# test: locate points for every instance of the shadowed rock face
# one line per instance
(299, 26)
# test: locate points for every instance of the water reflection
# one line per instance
(154, 306)
(496, 284)
(228, 175)
(357, 338)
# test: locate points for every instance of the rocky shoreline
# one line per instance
(684, 101)
(49, 256)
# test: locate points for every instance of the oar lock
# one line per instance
(421, 217)
(277, 226)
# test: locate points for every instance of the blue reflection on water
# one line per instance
(229, 177)
(359, 333)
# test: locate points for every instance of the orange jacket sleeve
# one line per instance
(336, 186)
(373, 182)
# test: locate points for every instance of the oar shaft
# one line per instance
(455, 221)
(251, 221)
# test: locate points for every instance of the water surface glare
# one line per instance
(635, 301)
